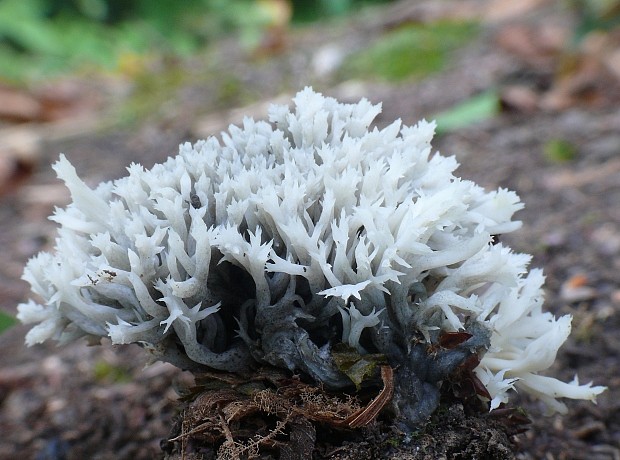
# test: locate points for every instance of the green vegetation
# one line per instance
(595, 15)
(152, 90)
(43, 37)
(475, 109)
(559, 151)
(412, 51)
(39, 38)
(357, 367)
(314, 10)
(105, 372)
(6, 321)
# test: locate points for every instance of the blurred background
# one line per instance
(59, 57)
(143, 41)
(42, 38)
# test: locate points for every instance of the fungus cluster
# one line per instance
(287, 238)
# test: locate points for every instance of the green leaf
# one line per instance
(6, 321)
(478, 108)
(356, 366)
(24, 23)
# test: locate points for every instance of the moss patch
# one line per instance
(412, 51)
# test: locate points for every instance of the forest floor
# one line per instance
(555, 141)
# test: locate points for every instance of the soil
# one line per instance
(76, 402)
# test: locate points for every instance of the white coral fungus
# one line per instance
(287, 237)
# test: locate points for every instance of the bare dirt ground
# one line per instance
(79, 402)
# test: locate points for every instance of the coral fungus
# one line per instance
(285, 238)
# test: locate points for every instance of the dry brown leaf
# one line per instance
(519, 98)
(271, 411)
(19, 155)
(577, 288)
(372, 410)
(538, 47)
(608, 171)
(502, 10)
(18, 106)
